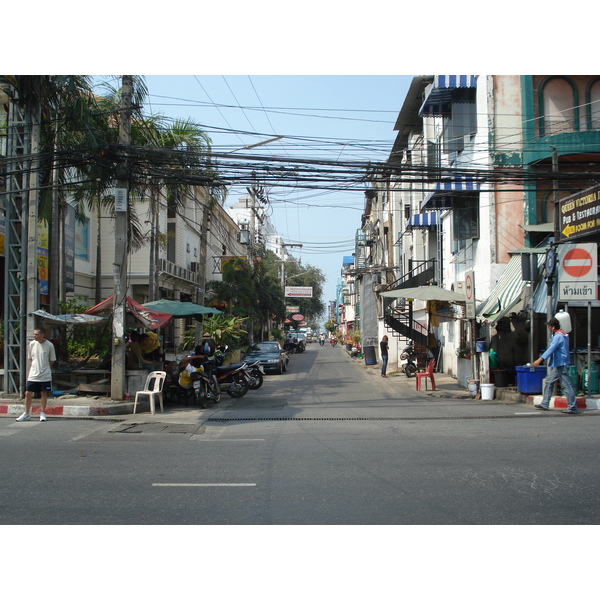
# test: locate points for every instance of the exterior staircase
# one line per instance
(398, 316)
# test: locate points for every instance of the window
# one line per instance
(462, 122)
(594, 105)
(465, 216)
(558, 107)
(434, 159)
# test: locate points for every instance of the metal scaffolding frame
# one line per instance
(17, 183)
(21, 211)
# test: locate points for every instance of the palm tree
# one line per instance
(62, 101)
(189, 148)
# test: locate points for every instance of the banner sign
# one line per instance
(298, 292)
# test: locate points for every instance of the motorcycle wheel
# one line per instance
(214, 389)
(257, 380)
(201, 396)
(237, 389)
(410, 370)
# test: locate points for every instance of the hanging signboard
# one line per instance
(298, 292)
(577, 272)
(579, 214)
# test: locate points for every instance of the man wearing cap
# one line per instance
(559, 361)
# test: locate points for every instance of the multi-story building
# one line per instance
(475, 173)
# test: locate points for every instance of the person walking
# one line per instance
(559, 361)
(383, 346)
(41, 354)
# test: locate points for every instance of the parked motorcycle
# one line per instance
(235, 379)
(206, 387)
(256, 375)
(408, 360)
(255, 369)
(203, 388)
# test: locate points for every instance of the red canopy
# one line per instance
(151, 319)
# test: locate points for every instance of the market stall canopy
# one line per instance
(71, 319)
(181, 309)
(425, 292)
(148, 317)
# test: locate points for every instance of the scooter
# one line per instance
(206, 387)
(408, 360)
(254, 369)
(234, 379)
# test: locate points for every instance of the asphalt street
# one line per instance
(327, 443)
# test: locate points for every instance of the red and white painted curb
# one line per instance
(68, 411)
(583, 403)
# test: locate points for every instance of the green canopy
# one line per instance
(181, 309)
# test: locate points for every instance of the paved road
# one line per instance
(325, 443)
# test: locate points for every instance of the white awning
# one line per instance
(507, 292)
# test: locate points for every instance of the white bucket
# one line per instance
(487, 391)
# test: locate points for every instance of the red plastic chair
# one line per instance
(427, 375)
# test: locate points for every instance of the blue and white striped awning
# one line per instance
(444, 91)
(440, 197)
(423, 220)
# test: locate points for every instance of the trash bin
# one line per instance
(369, 353)
(500, 377)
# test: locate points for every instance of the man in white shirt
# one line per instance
(41, 355)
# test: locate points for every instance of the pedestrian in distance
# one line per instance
(383, 346)
(559, 361)
(41, 355)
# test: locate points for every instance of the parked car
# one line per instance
(271, 355)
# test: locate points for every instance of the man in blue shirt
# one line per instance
(559, 360)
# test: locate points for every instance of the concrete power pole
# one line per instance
(118, 383)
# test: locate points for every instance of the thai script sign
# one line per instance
(577, 273)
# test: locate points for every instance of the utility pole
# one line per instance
(33, 286)
(117, 383)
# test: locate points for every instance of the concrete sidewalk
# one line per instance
(73, 405)
(448, 387)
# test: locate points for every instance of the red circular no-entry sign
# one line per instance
(577, 262)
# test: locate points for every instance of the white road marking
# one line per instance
(198, 438)
(203, 485)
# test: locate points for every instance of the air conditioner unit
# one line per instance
(458, 286)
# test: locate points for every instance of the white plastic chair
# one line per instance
(152, 389)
